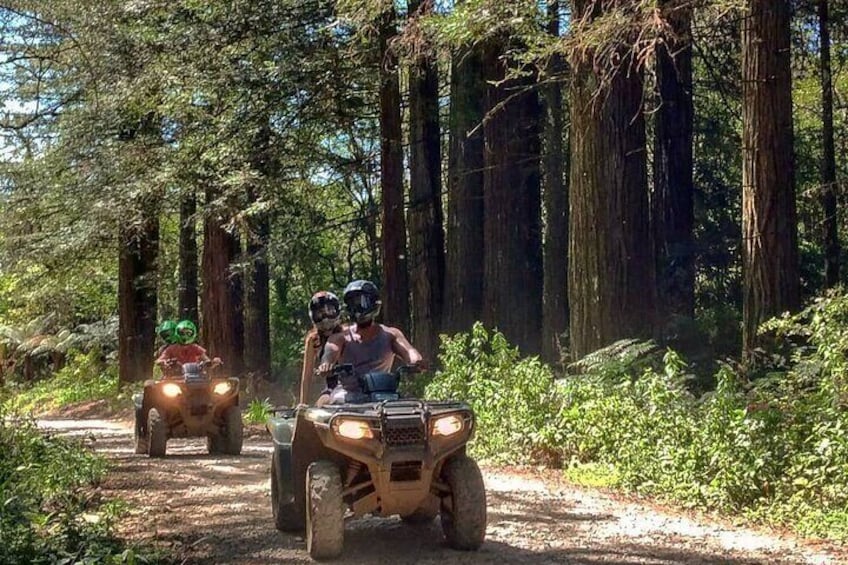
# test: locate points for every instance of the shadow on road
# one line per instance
(211, 509)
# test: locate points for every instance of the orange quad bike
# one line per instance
(369, 451)
(191, 404)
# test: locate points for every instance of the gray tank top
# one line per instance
(374, 355)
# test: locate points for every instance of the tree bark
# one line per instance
(137, 298)
(512, 257)
(555, 310)
(611, 264)
(187, 290)
(769, 227)
(672, 204)
(393, 238)
(426, 235)
(257, 326)
(223, 324)
(464, 262)
(830, 234)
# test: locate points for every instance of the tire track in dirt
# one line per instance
(212, 509)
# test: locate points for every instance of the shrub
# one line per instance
(49, 513)
(769, 445)
(258, 411)
(83, 378)
(512, 398)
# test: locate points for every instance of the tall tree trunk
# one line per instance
(187, 290)
(464, 267)
(257, 327)
(137, 298)
(223, 325)
(512, 286)
(555, 310)
(611, 265)
(395, 274)
(769, 226)
(672, 205)
(426, 235)
(830, 235)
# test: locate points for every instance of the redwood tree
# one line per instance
(672, 200)
(257, 318)
(464, 262)
(555, 311)
(137, 298)
(223, 324)
(830, 234)
(769, 227)
(426, 237)
(512, 254)
(393, 237)
(611, 263)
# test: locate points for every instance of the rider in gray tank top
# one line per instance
(374, 355)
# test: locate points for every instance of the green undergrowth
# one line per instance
(769, 445)
(82, 379)
(50, 512)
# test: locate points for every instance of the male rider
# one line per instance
(367, 345)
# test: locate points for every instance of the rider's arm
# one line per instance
(164, 356)
(403, 349)
(332, 351)
(202, 356)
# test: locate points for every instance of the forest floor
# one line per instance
(210, 509)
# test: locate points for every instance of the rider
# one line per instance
(367, 345)
(183, 350)
(325, 313)
(167, 332)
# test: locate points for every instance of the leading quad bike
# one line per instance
(369, 451)
(192, 404)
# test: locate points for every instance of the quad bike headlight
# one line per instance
(171, 390)
(221, 388)
(353, 429)
(447, 425)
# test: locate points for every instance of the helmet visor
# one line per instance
(361, 302)
(325, 311)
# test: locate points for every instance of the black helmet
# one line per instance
(324, 310)
(362, 300)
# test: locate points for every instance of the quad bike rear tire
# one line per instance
(286, 516)
(157, 434)
(140, 440)
(464, 511)
(324, 511)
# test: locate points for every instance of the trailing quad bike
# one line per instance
(190, 405)
(371, 452)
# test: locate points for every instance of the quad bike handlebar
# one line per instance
(347, 369)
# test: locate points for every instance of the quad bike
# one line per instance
(370, 452)
(189, 405)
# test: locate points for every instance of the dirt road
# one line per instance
(217, 510)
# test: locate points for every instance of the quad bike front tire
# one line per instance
(233, 431)
(231, 437)
(324, 511)
(283, 506)
(423, 515)
(140, 440)
(157, 434)
(464, 511)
